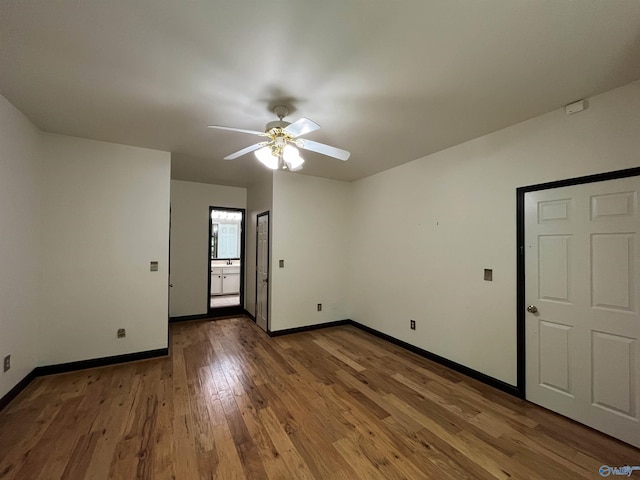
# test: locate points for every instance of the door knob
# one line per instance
(171, 285)
(532, 309)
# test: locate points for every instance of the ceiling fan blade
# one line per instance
(302, 126)
(323, 149)
(244, 151)
(231, 129)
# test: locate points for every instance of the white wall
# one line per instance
(310, 232)
(423, 232)
(105, 217)
(190, 204)
(19, 254)
(408, 243)
(259, 200)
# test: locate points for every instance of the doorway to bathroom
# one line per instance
(226, 261)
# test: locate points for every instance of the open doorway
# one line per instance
(226, 261)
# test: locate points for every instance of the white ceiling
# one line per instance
(389, 80)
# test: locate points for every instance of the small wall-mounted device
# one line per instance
(488, 274)
(153, 266)
(281, 263)
(7, 363)
(574, 107)
(122, 333)
(319, 307)
(412, 324)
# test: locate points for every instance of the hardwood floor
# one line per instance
(335, 403)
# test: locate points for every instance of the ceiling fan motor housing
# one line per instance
(276, 124)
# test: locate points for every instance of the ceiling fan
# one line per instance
(279, 148)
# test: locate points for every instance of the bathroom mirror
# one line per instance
(225, 234)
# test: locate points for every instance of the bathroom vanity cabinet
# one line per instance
(225, 280)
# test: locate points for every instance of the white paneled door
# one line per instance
(262, 272)
(582, 264)
(228, 240)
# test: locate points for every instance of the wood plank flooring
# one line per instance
(337, 403)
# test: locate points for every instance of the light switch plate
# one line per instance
(281, 263)
(153, 266)
(488, 274)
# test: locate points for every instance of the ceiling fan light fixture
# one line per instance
(292, 158)
(295, 167)
(267, 158)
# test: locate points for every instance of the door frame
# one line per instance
(520, 264)
(268, 266)
(235, 309)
